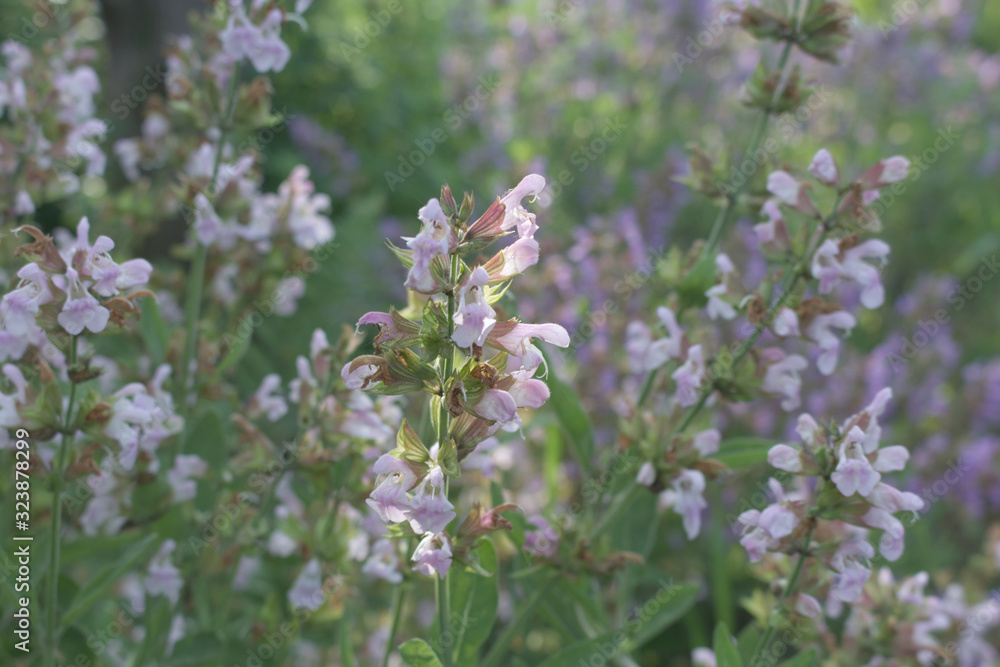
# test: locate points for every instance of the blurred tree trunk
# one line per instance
(137, 32)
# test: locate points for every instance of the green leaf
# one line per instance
(238, 346)
(159, 613)
(573, 419)
(474, 600)
(741, 452)
(417, 653)
(636, 530)
(98, 587)
(603, 646)
(746, 642)
(698, 280)
(672, 602)
(804, 659)
(206, 438)
(200, 650)
(726, 654)
(154, 331)
(73, 643)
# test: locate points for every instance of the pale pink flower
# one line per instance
(515, 216)
(307, 589)
(383, 563)
(646, 475)
(707, 442)
(688, 377)
(788, 190)
(854, 473)
(433, 555)
(820, 331)
(885, 172)
(718, 307)
(474, 318)
(267, 400)
(187, 467)
(81, 310)
(429, 508)
(824, 168)
(782, 377)
(163, 577)
(436, 238)
(785, 458)
(20, 306)
(514, 259)
(389, 499)
(849, 582)
(685, 496)
(786, 323)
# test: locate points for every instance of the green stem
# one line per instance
(397, 612)
(58, 470)
(441, 597)
(725, 214)
(647, 387)
(192, 309)
(496, 652)
(765, 642)
(617, 508)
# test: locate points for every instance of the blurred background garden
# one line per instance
(611, 101)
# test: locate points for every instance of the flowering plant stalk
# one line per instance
(209, 489)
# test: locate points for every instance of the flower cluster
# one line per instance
(211, 131)
(849, 498)
(52, 135)
(80, 288)
(478, 370)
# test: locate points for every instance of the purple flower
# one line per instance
(474, 318)
(854, 473)
(513, 260)
(782, 377)
(81, 310)
(260, 44)
(515, 337)
(307, 590)
(830, 266)
(707, 442)
(389, 499)
(647, 474)
(891, 542)
(824, 168)
(495, 405)
(181, 476)
(820, 330)
(267, 401)
(429, 510)
(717, 307)
(849, 582)
(688, 377)
(778, 521)
(543, 541)
(436, 239)
(514, 214)
(383, 563)
(432, 555)
(786, 323)
(885, 172)
(685, 495)
(789, 191)
(20, 306)
(785, 458)
(163, 577)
